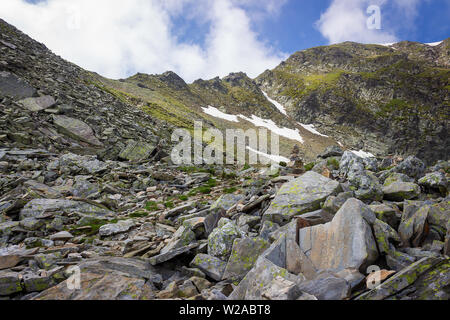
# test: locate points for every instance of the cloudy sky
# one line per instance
(208, 38)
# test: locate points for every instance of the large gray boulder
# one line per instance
(399, 191)
(412, 167)
(271, 265)
(136, 151)
(76, 129)
(116, 228)
(38, 104)
(220, 241)
(38, 207)
(346, 242)
(11, 85)
(304, 194)
(426, 279)
(107, 278)
(243, 256)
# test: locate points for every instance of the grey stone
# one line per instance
(38, 104)
(76, 129)
(9, 283)
(116, 228)
(345, 242)
(302, 195)
(136, 151)
(220, 241)
(327, 287)
(38, 207)
(412, 167)
(171, 254)
(399, 191)
(243, 256)
(13, 86)
(210, 265)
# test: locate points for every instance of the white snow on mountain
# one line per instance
(276, 104)
(219, 114)
(269, 124)
(311, 128)
(273, 158)
(433, 44)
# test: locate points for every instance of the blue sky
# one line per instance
(208, 38)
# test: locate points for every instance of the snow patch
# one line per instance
(434, 44)
(311, 128)
(269, 124)
(219, 114)
(272, 157)
(276, 104)
(363, 154)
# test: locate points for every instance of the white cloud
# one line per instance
(346, 20)
(118, 38)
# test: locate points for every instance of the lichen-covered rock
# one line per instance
(366, 185)
(386, 214)
(211, 266)
(183, 237)
(427, 279)
(116, 228)
(304, 194)
(413, 226)
(260, 279)
(345, 242)
(327, 287)
(38, 104)
(384, 235)
(435, 181)
(243, 256)
(226, 201)
(9, 283)
(399, 191)
(100, 286)
(220, 241)
(349, 160)
(76, 129)
(334, 203)
(396, 177)
(136, 151)
(412, 167)
(267, 228)
(37, 207)
(32, 224)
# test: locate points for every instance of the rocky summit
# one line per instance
(93, 208)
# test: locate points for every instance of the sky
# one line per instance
(209, 38)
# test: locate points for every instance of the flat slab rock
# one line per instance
(301, 195)
(38, 104)
(346, 242)
(76, 129)
(11, 85)
(37, 207)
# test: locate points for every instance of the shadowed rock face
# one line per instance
(11, 85)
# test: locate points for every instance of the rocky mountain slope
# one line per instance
(91, 206)
(383, 99)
